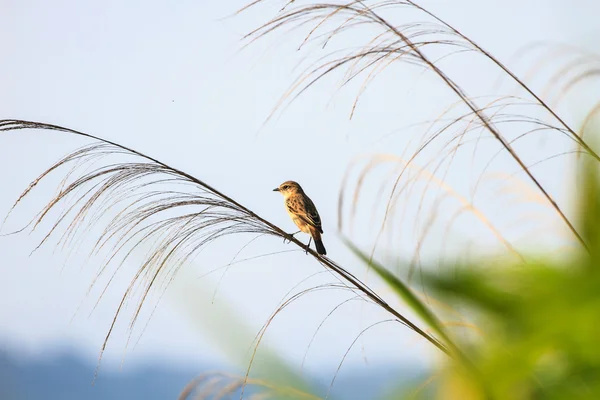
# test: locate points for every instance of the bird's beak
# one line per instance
(276, 190)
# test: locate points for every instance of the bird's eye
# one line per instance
(286, 187)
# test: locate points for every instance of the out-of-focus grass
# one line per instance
(539, 322)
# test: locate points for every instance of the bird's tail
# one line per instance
(319, 244)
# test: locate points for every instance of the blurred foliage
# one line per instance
(539, 321)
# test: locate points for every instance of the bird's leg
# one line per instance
(292, 235)
(308, 245)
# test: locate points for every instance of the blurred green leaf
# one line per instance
(540, 320)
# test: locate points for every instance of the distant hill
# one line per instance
(68, 377)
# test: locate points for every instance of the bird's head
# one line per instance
(288, 188)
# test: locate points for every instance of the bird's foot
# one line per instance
(308, 245)
(290, 234)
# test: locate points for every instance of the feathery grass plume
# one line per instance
(446, 208)
(576, 66)
(579, 71)
(159, 206)
(219, 385)
(420, 43)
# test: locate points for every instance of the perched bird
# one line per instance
(303, 212)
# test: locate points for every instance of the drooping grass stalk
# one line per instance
(219, 215)
(410, 47)
(518, 80)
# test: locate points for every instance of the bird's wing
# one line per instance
(313, 214)
(304, 208)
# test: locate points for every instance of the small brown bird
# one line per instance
(303, 212)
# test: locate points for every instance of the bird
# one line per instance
(303, 212)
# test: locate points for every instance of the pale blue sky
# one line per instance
(167, 78)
